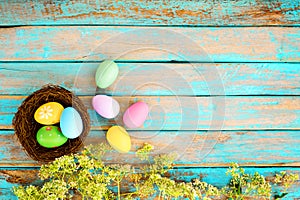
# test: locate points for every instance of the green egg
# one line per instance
(50, 137)
(106, 73)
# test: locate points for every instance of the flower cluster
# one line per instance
(86, 175)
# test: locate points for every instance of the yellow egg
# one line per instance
(48, 113)
(119, 139)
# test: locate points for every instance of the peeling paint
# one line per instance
(277, 12)
(71, 44)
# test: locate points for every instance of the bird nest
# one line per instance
(26, 127)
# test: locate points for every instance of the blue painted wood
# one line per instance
(135, 12)
(156, 78)
(191, 113)
(215, 176)
(194, 148)
(95, 43)
(238, 47)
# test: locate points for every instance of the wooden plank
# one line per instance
(166, 79)
(193, 148)
(94, 43)
(207, 13)
(10, 177)
(191, 113)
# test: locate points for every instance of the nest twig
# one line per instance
(26, 127)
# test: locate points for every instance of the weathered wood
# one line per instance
(193, 148)
(200, 13)
(94, 43)
(191, 113)
(68, 44)
(10, 177)
(156, 78)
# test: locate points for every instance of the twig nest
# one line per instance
(26, 127)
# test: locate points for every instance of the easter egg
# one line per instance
(106, 73)
(118, 139)
(136, 115)
(48, 113)
(106, 106)
(71, 123)
(50, 137)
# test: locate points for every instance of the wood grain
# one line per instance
(191, 113)
(234, 50)
(193, 148)
(202, 13)
(166, 79)
(94, 43)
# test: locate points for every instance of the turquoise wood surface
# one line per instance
(95, 43)
(181, 13)
(232, 65)
(194, 148)
(193, 113)
(183, 79)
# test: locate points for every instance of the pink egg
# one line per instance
(106, 106)
(136, 115)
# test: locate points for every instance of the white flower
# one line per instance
(46, 112)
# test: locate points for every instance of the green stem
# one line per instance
(63, 177)
(119, 193)
(129, 193)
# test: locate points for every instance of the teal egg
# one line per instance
(106, 74)
(50, 137)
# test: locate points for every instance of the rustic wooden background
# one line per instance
(254, 46)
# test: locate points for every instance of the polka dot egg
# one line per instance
(50, 137)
